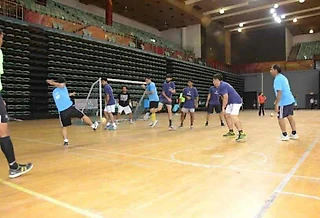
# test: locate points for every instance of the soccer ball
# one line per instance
(271, 115)
(103, 120)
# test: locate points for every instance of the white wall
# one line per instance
(289, 43)
(192, 37)
(306, 38)
(116, 17)
(173, 35)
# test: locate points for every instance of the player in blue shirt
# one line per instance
(110, 105)
(213, 104)
(192, 98)
(66, 109)
(284, 104)
(151, 91)
(231, 105)
(168, 88)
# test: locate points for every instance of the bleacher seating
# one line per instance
(308, 50)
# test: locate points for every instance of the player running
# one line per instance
(151, 91)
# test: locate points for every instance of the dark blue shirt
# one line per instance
(108, 90)
(233, 96)
(193, 93)
(215, 98)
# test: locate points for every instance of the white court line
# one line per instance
(301, 195)
(51, 200)
(285, 181)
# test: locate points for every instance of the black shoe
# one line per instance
(206, 124)
(65, 143)
(181, 126)
(222, 124)
(22, 169)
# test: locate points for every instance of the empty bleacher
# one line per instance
(308, 50)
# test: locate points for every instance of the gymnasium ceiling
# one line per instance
(167, 14)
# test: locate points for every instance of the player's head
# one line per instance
(61, 80)
(190, 82)
(1, 37)
(217, 78)
(124, 89)
(260, 93)
(104, 81)
(168, 77)
(147, 79)
(275, 70)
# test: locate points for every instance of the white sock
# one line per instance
(66, 140)
(114, 124)
(108, 124)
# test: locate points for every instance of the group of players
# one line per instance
(231, 104)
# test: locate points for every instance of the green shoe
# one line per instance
(241, 137)
(229, 134)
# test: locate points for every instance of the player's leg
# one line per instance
(282, 123)
(184, 112)
(169, 109)
(65, 120)
(218, 109)
(234, 114)
(192, 115)
(263, 110)
(111, 110)
(229, 122)
(153, 110)
(289, 111)
(107, 117)
(127, 110)
(209, 113)
(15, 169)
(120, 110)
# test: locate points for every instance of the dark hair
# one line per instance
(190, 80)
(276, 67)
(61, 80)
(169, 76)
(104, 79)
(147, 77)
(1, 32)
(125, 86)
(260, 93)
(217, 76)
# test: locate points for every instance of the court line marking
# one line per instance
(286, 180)
(301, 195)
(51, 200)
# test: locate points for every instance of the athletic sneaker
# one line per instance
(285, 138)
(95, 125)
(131, 122)
(181, 126)
(206, 124)
(154, 123)
(191, 127)
(241, 137)
(151, 124)
(229, 134)
(171, 128)
(222, 124)
(65, 143)
(107, 126)
(22, 169)
(294, 137)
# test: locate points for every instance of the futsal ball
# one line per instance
(103, 120)
(271, 115)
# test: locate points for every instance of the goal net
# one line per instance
(92, 103)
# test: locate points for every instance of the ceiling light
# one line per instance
(301, 1)
(221, 11)
(272, 10)
(278, 19)
(275, 15)
(241, 24)
(239, 30)
(295, 20)
(311, 31)
(276, 6)
(283, 16)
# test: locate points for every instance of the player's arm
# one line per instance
(173, 90)
(208, 99)
(72, 94)
(225, 98)
(107, 98)
(276, 103)
(55, 84)
(196, 103)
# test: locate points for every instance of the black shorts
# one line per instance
(285, 111)
(153, 104)
(4, 118)
(216, 108)
(66, 115)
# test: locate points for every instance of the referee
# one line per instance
(5, 140)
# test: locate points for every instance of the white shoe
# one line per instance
(154, 123)
(285, 138)
(151, 124)
(95, 125)
(294, 137)
(172, 128)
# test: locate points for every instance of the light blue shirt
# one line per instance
(152, 88)
(61, 98)
(281, 83)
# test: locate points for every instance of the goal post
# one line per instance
(92, 105)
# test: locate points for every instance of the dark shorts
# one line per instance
(285, 111)
(66, 115)
(153, 104)
(4, 118)
(211, 108)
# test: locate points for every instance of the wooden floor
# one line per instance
(138, 171)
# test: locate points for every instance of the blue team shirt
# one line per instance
(152, 88)
(193, 93)
(281, 83)
(61, 98)
(233, 96)
(215, 98)
(166, 87)
(108, 90)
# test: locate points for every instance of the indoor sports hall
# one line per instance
(69, 67)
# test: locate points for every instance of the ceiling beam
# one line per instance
(227, 8)
(269, 18)
(270, 23)
(254, 9)
(188, 2)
